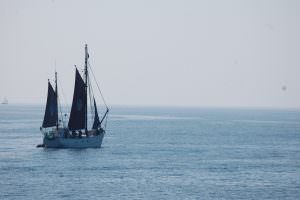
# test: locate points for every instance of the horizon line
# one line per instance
(175, 106)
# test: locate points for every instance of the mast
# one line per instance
(86, 83)
(56, 99)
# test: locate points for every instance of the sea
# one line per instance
(157, 153)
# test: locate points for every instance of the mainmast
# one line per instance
(86, 83)
(56, 96)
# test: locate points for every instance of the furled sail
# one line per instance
(51, 114)
(96, 123)
(78, 113)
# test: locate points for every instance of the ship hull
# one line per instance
(94, 141)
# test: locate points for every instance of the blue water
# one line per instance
(157, 153)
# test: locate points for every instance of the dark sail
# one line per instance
(78, 114)
(51, 114)
(96, 123)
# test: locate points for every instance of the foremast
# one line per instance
(51, 111)
(56, 98)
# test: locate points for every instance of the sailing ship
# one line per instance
(77, 134)
(5, 101)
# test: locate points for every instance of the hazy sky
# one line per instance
(155, 52)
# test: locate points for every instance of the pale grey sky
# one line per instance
(156, 52)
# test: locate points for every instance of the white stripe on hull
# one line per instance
(84, 142)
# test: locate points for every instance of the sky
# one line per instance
(219, 53)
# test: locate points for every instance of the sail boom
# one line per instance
(107, 110)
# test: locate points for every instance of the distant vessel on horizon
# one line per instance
(77, 133)
(5, 101)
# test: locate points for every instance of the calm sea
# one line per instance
(157, 153)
